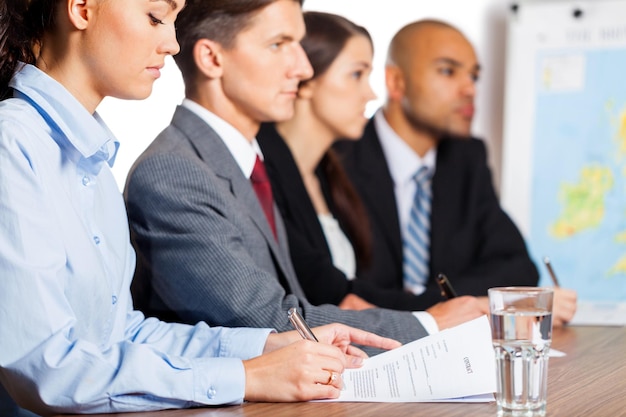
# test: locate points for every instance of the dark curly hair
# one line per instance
(22, 24)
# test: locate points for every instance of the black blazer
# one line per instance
(310, 255)
(473, 241)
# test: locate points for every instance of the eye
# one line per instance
(276, 45)
(357, 75)
(154, 20)
(475, 77)
(447, 71)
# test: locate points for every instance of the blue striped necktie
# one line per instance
(417, 236)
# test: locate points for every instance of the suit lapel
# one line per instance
(216, 155)
(378, 187)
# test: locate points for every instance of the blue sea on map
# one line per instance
(578, 207)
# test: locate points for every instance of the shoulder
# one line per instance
(19, 115)
(24, 131)
(169, 159)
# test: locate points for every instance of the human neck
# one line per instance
(421, 141)
(59, 64)
(307, 140)
(214, 101)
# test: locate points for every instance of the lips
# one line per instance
(155, 71)
(466, 111)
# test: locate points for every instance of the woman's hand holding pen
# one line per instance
(294, 369)
(301, 371)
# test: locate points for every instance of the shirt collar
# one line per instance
(403, 162)
(85, 132)
(244, 151)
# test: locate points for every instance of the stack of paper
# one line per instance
(456, 364)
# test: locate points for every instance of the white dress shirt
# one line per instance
(403, 163)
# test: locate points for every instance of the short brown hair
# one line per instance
(218, 20)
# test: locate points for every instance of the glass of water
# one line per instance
(521, 328)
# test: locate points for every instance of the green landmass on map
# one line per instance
(583, 203)
(620, 265)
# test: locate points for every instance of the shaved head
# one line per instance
(430, 75)
(403, 45)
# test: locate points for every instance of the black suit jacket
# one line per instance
(310, 255)
(473, 241)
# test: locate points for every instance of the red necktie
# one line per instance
(263, 190)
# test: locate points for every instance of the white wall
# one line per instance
(483, 21)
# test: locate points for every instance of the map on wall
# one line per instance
(578, 181)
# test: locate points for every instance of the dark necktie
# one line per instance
(263, 190)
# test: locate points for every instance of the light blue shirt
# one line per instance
(69, 338)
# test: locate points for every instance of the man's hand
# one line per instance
(563, 306)
(458, 310)
(343, 336)
(354, 302)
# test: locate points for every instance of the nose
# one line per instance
(302, 68)
(369, 92)
(468, 89)
(169, 45)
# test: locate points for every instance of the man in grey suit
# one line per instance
(206, 248)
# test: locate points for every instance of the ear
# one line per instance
(77, 11)
(305, 90)
(394, 81)
(209, 58)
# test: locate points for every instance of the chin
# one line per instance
(460, 133)
(353, 135)
(135, 95)
(279, 115)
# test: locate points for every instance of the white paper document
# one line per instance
(456, 364)
(599, 313)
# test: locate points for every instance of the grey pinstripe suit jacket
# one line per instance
(205, 250)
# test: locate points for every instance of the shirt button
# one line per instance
(211, 393)
(96, 239)
(86, 180)
(114, 300)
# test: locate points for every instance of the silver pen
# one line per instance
(546, 261)
(300, 325)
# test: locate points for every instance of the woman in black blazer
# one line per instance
(326, 222)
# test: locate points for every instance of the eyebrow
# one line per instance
(172, 3)
(455, 63)
(363, 64)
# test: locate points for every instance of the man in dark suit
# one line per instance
(431, 73)
(209, 247)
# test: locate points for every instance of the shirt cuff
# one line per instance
(427, 321)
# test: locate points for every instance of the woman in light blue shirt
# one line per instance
(70, 339)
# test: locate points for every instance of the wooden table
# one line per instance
(590, 381)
